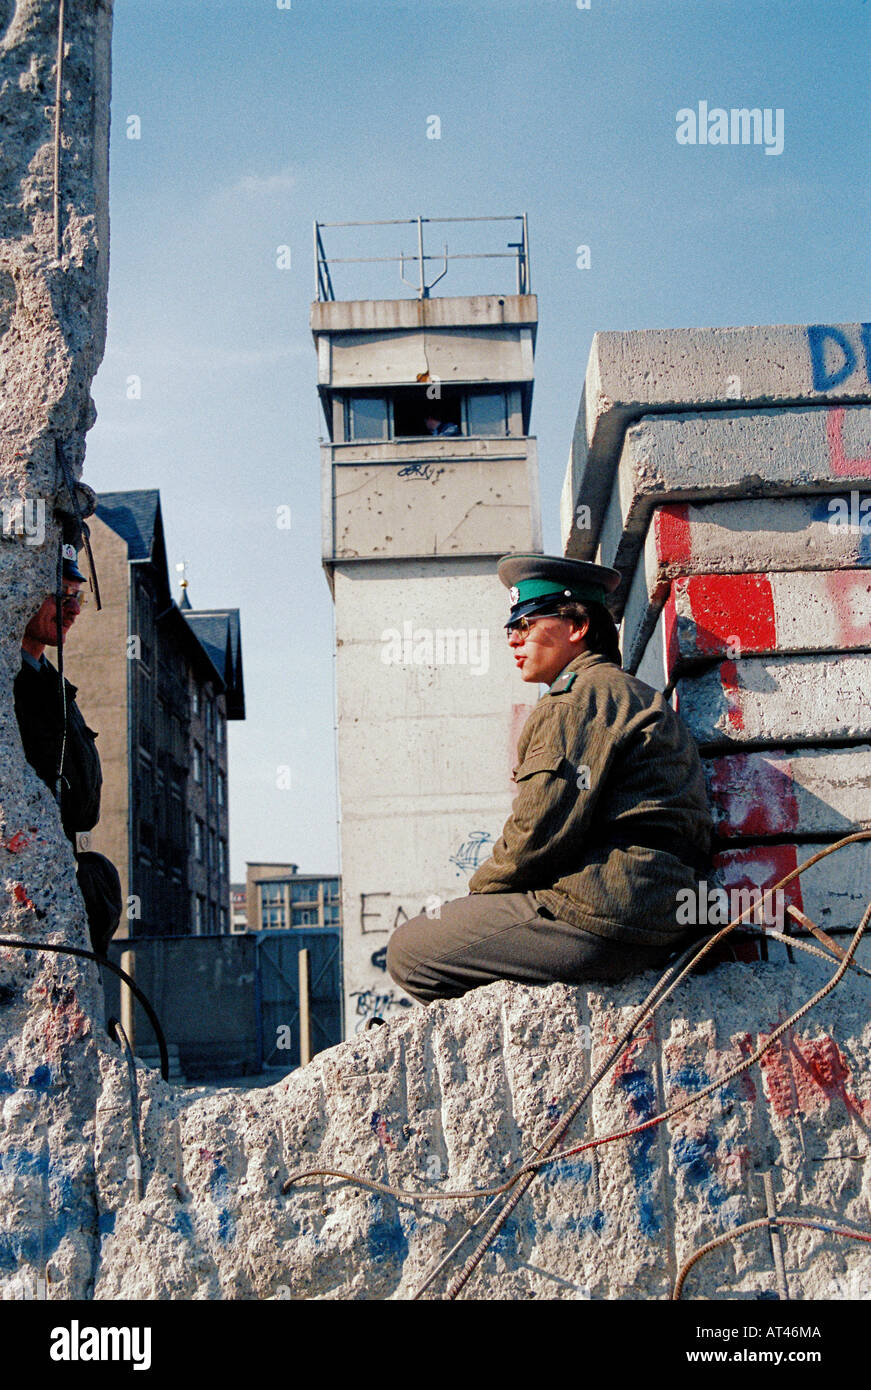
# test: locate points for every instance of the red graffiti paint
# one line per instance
(805, 1075)
(19, 893)
(846, 590)
(732, 691)
(753, 795)
(747, 1086)
(628, 1059)
(732, 612)
(760, 866)
(840, 465)
(672, 647)
(17, 842)
(672, 533)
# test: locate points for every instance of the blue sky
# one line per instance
(256, 120)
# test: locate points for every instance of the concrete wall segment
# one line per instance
(631, 374)
(696, 615)
(52, 328)
(793, 538)
(811, 791)
(453, 1096)
(771, 700)
(742, 455)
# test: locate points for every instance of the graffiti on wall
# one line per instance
(834, 359)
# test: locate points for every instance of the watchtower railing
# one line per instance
(518, 251)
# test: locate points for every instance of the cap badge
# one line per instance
(514, 594)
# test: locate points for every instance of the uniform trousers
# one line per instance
(507, 936)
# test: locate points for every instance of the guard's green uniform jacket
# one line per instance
(611, 819)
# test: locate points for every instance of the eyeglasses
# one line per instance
(69, 596)
(524, 625)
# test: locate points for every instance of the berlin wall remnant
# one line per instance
(456, 1096)
(52, 329)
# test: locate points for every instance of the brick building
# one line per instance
(158, 681)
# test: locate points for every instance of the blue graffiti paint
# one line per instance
(7, 994)
(181, 1223)
(829, 369)
(570, 1169)
(219, 1188)
(826, 376)
(505, 1242)
(8, 1083)
(642, 1098)
(687, 1078)
(40, 1079)
(694, 1155)
(70, 1208)
(385, 1240)
(106, 1223)
(568, 1224)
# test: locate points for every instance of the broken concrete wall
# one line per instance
(456, 1096)
(52, 327)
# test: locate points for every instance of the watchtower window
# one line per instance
(409, 413)
(367, 417)
(487, 412)
(415, 415)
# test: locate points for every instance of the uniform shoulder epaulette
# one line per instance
(563, 683)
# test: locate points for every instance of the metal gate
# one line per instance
(277, 977)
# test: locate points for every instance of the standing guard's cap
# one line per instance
(538, 583)
(70, 568)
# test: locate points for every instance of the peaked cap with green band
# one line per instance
(538, 583)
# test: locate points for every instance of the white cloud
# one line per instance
(281, 182)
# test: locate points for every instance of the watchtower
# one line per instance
(429, 474)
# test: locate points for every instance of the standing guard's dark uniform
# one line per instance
(40, 721)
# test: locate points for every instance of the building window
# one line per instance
(198, 763)
(332, 914)
(199, 914)
(304, 917)
(195, 698)
(332, 890)
(223, 921)
(272, 906)
(222, 858)
(222, 788)
(213, 857)
(198, 839)
(305, 892)
(219, 728)
(210, 715)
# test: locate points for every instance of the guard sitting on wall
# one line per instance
(61, 748)
(610, 822)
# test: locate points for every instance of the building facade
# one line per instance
(158, 682)
(279, 898)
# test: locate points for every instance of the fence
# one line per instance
(230, 1004)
